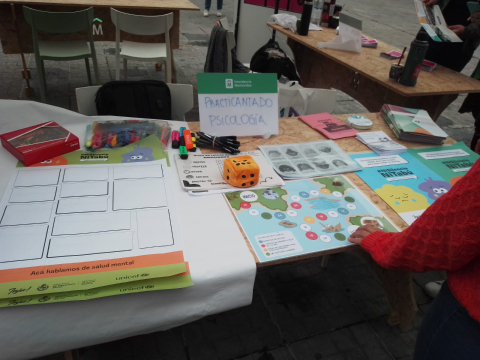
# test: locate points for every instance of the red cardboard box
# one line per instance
(40, 142)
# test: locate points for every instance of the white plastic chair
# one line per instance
(142, 25)
(182, 100)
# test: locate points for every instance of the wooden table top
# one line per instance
(140, 4)
(368, 63)
(293, 130)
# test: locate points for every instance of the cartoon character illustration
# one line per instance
(331, 228)
(310, 152)
(270, 194)
(138, 154)
(434, 188)
(339, 163)
(57, 160)
(286, 168)
(321, 164)
(325, 149)
(291, 152)
(402, 199)
(287, 224)
(304, 167)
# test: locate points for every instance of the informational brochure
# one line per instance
(202, 174)
(308, 159)
(432, 20)
(328, 125)
(381, 143)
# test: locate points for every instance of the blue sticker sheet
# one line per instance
(304, 216)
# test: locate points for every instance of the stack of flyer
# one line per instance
(369, 43)
(381, 143)
(412, 125)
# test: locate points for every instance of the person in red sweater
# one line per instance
(445, 237)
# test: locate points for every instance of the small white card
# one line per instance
(381, 161)
(432, 155)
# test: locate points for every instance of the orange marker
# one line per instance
(188, 139)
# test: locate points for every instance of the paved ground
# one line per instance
(299, 311)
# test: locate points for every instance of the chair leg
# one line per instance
(168, 70)
(89, 75)
(41, 79)
(117, 67)
(95, 69)
(125, 69)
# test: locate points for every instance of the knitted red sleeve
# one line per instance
(445, 237)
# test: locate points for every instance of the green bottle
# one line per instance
(416, 55)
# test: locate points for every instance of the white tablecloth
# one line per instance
(222, 269)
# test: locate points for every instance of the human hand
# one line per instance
(361, 233)
(429, 2)
(457, 29)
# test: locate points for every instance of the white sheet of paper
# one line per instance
(137, 172)
(97, 188)
(33, 194)
(154, 222)
(432, 155)
(90, 244)
(37, 177)
(82, 205)
(22, 242)
(139, 194)
(91, 223)
(86, 174)
(26, 214)
(381, 161)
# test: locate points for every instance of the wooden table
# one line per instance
(398, 285)
(364, 75)
(16, 34)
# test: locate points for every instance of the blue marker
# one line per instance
(127, 137)
(181, 130)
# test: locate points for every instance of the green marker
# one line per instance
(183, 153)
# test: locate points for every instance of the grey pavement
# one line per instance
(299, 311)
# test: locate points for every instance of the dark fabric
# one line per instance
(472, 104)
(147, 99)
(456, 12)
(448, 332)
(451, 55)
(217, 60)
(270, 58)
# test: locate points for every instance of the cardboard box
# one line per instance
(40, 142)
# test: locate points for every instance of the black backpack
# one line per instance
(270, 58)
(148, 99)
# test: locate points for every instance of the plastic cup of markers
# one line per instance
(395, 72)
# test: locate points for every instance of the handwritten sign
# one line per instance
(238, 104)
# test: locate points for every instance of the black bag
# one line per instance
(270, 58)
(149, 99)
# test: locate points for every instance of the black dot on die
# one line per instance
(234, 161)
(251, 183)
(237, 164)
(243, 163)
(228, 177)
(248, 163)
(243, 176)
(252, 175)
(243, 184)
(228, 170)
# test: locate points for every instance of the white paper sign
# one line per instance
(349, 36)
(432, 155)
(381, 161)
(238, 104)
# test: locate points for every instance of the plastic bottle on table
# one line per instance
(317, 12)
(325, 19)
(416, 55)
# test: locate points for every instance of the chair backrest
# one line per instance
(86, 100)
(140, 24)
(322, 100)
(59, 22)
(182, 100)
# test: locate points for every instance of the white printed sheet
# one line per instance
(78, 213)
